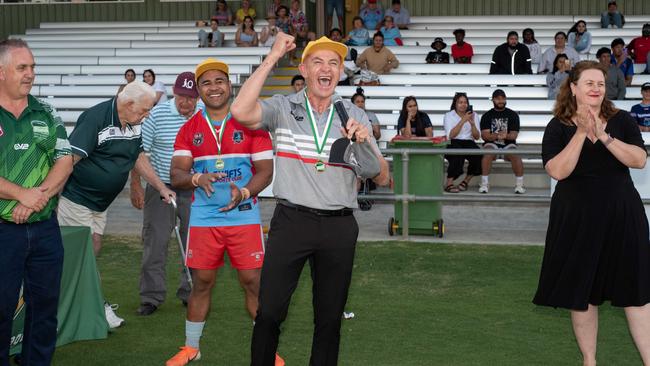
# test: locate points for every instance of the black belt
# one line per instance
(316, 211)
(6, 222)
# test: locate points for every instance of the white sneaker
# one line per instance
(113, 320)
(520, 189)
(484, 188)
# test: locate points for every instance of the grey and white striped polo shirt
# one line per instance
(296, 177)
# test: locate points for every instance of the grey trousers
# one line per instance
(157, 227)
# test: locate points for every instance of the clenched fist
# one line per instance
(283, 44)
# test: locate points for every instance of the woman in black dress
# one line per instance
(597, 244)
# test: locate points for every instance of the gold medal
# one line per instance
(320, 166)
(219, 164)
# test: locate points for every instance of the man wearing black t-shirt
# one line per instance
(499, 130)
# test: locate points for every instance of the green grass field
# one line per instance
(415, 304)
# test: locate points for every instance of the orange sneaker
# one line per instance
(278, 360)
(185, 356)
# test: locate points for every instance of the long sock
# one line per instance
(519, 181)
(193, 332)
(485, 180)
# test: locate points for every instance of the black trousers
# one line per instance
(456, 162)
(329, 244)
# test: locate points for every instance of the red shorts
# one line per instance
(206, 246)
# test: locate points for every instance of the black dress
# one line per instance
(597, 243)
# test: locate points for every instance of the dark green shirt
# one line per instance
(29, 146)
(108, 155)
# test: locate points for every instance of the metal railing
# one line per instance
(405, 197)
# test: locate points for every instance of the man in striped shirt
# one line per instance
(159, 132)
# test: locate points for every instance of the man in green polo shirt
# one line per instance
(106, 144)
(35, 162)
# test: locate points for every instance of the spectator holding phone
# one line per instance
(554, 79)
(463, 129)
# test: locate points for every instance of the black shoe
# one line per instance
(146, 309)
(184, 303)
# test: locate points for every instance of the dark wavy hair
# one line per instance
(559, 55)
(146, 71)
(532, 33)
(455, 100)
(574, 28)
(243, 24)
(419, 122)
(565, 102)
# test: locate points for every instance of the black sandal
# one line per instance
(451, 189)
(462, 186)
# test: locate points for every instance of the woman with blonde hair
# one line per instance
(597, 243)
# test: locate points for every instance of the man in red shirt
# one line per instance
(462, 51)
(639, 48)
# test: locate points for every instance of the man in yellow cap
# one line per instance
(226, 165)
(316, 194)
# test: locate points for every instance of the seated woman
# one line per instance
(222, 14)
(358, 36)
(533, 46)
(149, 77)
(392, 35)
(359, 99)
(269, 32)
(579, 37)
(129, 76)
(412, 122)
(246, 35)
(554, 79)
(463, 129)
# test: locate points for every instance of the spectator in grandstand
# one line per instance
(226, 167)
(400, 14)
(106, 144)
(412, 122)
(555, 78)
(348, 64)
(437, 56)
(273, 7)
(245, 11)
(511, 57)
(246, 36)
(269, 32)
(129, 76)
(36, 161)
(299, 27)
(615, 81)
(377, 58)
(392, 35)
(359, 99)
(359, 35)
(463, 129)
(597, 246)
(580, 37)
(461, 51)
(158, 135)
(639, 48)
(330, 6)
(283, 20)
(297, 83)
(149, 77)
(533, 46)
(313, 220)
(222, 13)
(622, 60)
(499, 130)
(372, 15)
(560, 46)
(214, 38)
(611, 17)
(641, 111)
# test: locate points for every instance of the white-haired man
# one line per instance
(106, 144)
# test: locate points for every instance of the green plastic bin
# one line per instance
(426, 174)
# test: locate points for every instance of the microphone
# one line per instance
(342, 113)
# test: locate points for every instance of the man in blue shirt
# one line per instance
(620, 59)
(641, 111)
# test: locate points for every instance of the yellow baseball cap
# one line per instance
(324, 43)
(210, 64)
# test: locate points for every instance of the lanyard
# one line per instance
(319, 140)
(213, 129)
